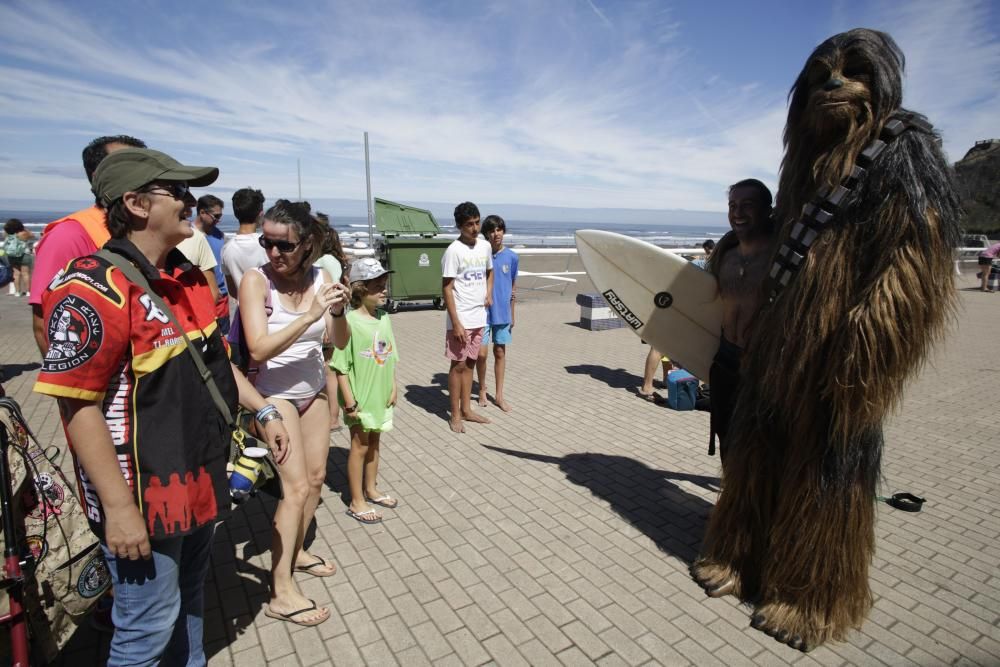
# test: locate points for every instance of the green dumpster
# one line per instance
(410, 248)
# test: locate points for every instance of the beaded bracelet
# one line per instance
(264, 415)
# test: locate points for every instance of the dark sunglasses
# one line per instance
(175, 190)
(284, 247)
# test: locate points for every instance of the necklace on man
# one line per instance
(744, 262)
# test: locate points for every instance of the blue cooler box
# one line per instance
(682, 390)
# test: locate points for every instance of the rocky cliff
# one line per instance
(978, 179)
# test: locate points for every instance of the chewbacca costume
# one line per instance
(848, 317)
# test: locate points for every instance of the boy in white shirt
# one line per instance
(467, 280)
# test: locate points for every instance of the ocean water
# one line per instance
(525, 233)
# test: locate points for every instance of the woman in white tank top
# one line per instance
(288, 308)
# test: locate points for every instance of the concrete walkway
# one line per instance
(562, 532)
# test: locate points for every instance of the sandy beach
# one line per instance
(561, 533)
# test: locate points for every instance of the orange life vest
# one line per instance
(93, 220)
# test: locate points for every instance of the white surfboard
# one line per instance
(668, 301)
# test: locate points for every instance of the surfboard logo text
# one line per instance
(622, 309)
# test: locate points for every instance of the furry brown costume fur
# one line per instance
(793, 530)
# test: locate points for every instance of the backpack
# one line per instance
(65, 572)
(6, 273)
(14, 247)
(682, 390)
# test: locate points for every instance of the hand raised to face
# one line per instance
(329, 297)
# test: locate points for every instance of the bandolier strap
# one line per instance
(818, 214)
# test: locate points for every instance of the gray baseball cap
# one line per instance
(366, 268)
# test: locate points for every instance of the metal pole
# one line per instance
(17, 617)
(298, 167)
(368, 185)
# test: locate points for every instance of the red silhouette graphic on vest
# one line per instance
(177, 503)
(204, 506)
(156, 504)
(178, 510)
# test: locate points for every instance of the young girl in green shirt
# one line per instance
(366, 377)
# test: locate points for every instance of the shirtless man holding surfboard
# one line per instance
(740, 262)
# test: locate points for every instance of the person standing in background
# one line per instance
(243, 252)
(708, 246)
(334, 261)
(500, 313)
(77, 235)
(199, 253)
(986, 258)
(467, 285)
(209, 214)
(17, 246)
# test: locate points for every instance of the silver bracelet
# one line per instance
(269, 409)
(270, 417)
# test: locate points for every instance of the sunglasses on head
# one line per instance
(175, 190)
(283, 247)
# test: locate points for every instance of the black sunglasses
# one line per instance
(175, 190)
(284, 247)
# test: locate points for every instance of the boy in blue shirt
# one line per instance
(500, 314)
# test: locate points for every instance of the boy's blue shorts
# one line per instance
(498, 334)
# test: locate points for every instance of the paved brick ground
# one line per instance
(562, 532)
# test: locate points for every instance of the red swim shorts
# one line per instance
(458, 351)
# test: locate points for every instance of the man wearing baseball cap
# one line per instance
(149, 445)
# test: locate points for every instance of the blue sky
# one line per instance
(585, 103)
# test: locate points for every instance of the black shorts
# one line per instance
(985, 261)
(15, 262)
(724, 380)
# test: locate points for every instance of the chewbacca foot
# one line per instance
(716, 579)
(790, 626)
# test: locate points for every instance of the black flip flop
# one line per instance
(906, 502)
(308, 569)
(652, 397)
(277, 615)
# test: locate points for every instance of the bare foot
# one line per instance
(456, 426)
(383, 499)
(482, 400)
(364, 513)
(288, 605)
(471, 416)
(502, 404)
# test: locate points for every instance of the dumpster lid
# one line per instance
(392, 219)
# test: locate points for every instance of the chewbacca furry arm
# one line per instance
(889, 331)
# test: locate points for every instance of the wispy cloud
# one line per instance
(520, 102)
(952, 54)
(600, 14)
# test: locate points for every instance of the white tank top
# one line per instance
(298, 372)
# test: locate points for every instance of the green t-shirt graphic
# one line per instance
(369, 361)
